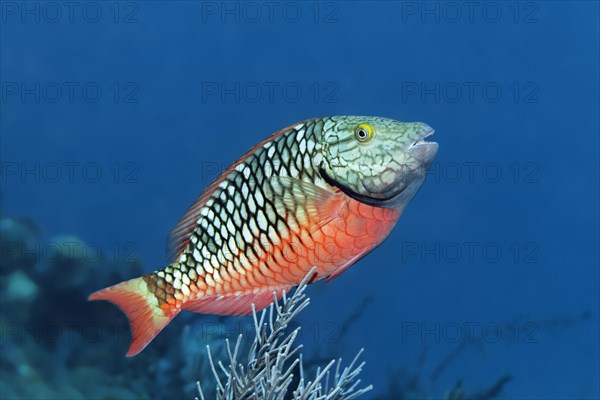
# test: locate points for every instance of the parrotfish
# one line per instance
(320, 193)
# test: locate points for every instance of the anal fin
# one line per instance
(234, 304)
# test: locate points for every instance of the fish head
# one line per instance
(378, 161)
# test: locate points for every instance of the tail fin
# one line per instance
(146, 318)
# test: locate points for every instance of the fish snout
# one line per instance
(421, 150)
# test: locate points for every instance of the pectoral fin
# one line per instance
(310, 205)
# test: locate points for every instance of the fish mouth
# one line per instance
(423, 150)
(421, 141)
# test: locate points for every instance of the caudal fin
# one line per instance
(146, 318)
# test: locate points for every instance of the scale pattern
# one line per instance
(236, 245)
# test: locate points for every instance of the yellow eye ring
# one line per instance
(363, 133)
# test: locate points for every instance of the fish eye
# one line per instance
(363, 133)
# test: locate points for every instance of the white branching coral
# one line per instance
(273, 358)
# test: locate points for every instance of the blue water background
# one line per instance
(362, 58)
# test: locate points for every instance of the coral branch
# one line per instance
(273, 358)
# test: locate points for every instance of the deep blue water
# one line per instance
(116, 115)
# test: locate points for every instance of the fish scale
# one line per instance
(233, 269)
(307, 196)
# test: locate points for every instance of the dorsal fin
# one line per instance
(179, 237)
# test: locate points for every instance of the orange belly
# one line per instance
(355, 229)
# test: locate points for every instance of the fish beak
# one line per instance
(424, 151)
